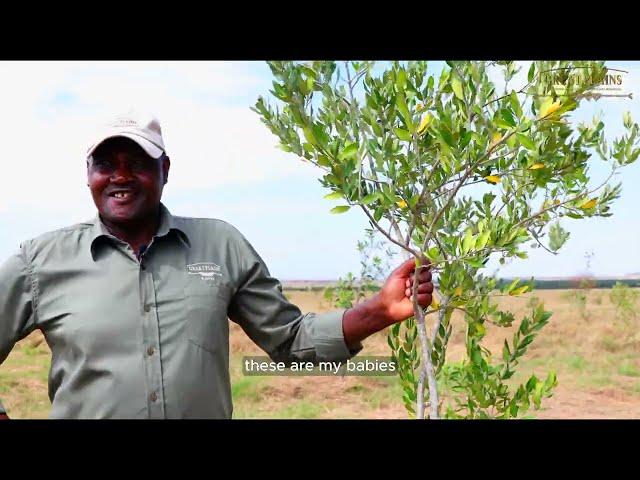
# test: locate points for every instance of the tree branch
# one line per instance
(553, 207)
(427, 364)
(401, 245)
(535, 237)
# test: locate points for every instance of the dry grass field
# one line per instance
(596, 358)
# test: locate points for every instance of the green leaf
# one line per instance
(309, 135)
(334, 196)
(506, 352)
(340, 209)
(348, 152)
(500, 123)
(401, 80)
(404, 111)
(402, 134)
(321, 137)
(447, 137)
(476, 357)
(567, 106)
(507, 116)
(526, 142)
(456, 86)
(532, 72)
(466, 138)
(476, 263)
(372, 197)
(515, 103)
(557, 236)
(323, 161)
(395, 329)
(482, 240)
(467, 242)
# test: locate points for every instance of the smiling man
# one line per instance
(134, 303)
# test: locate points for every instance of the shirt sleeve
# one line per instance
(278, 326)
(16, 301)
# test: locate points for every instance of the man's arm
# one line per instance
(16, 312)
(276, 325)
(391, 305)
(281, 330)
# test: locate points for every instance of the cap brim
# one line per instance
(151, 148)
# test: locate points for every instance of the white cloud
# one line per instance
(50, 111)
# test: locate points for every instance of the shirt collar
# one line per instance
(167, 225)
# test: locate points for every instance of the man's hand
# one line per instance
(396, 295)
(391, 305)
(4, 416)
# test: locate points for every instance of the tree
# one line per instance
(625, 300)
(454, 170)
(374, 267)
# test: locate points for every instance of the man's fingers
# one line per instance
(425, 288)
(422, 288)
(424, 299)
(422, 278)
(406, 268)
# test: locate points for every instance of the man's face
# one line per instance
(126, 184)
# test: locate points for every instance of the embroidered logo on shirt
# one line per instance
(206, 270)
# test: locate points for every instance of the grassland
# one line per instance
(594, 354)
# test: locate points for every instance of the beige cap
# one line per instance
(142, 128)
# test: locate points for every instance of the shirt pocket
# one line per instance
(206, 313)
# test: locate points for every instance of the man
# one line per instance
(134, 303)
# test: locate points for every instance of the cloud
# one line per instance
(50, 111)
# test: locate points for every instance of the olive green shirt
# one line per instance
(149, 338)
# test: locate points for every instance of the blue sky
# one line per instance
(225, 164)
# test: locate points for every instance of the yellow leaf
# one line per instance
(536, 166)
(420, 107)
(458, 291)
(519, 291)
(495, 139)
(494, 179)
(556, 202)
(547, 109)
(402, 204)
(589, 204)
(424, 124)
(480, 329)
(434, 303)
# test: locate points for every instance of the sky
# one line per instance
(225, 164)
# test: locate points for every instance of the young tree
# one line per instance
(625, 300)
(454, 168)
(374, 268)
